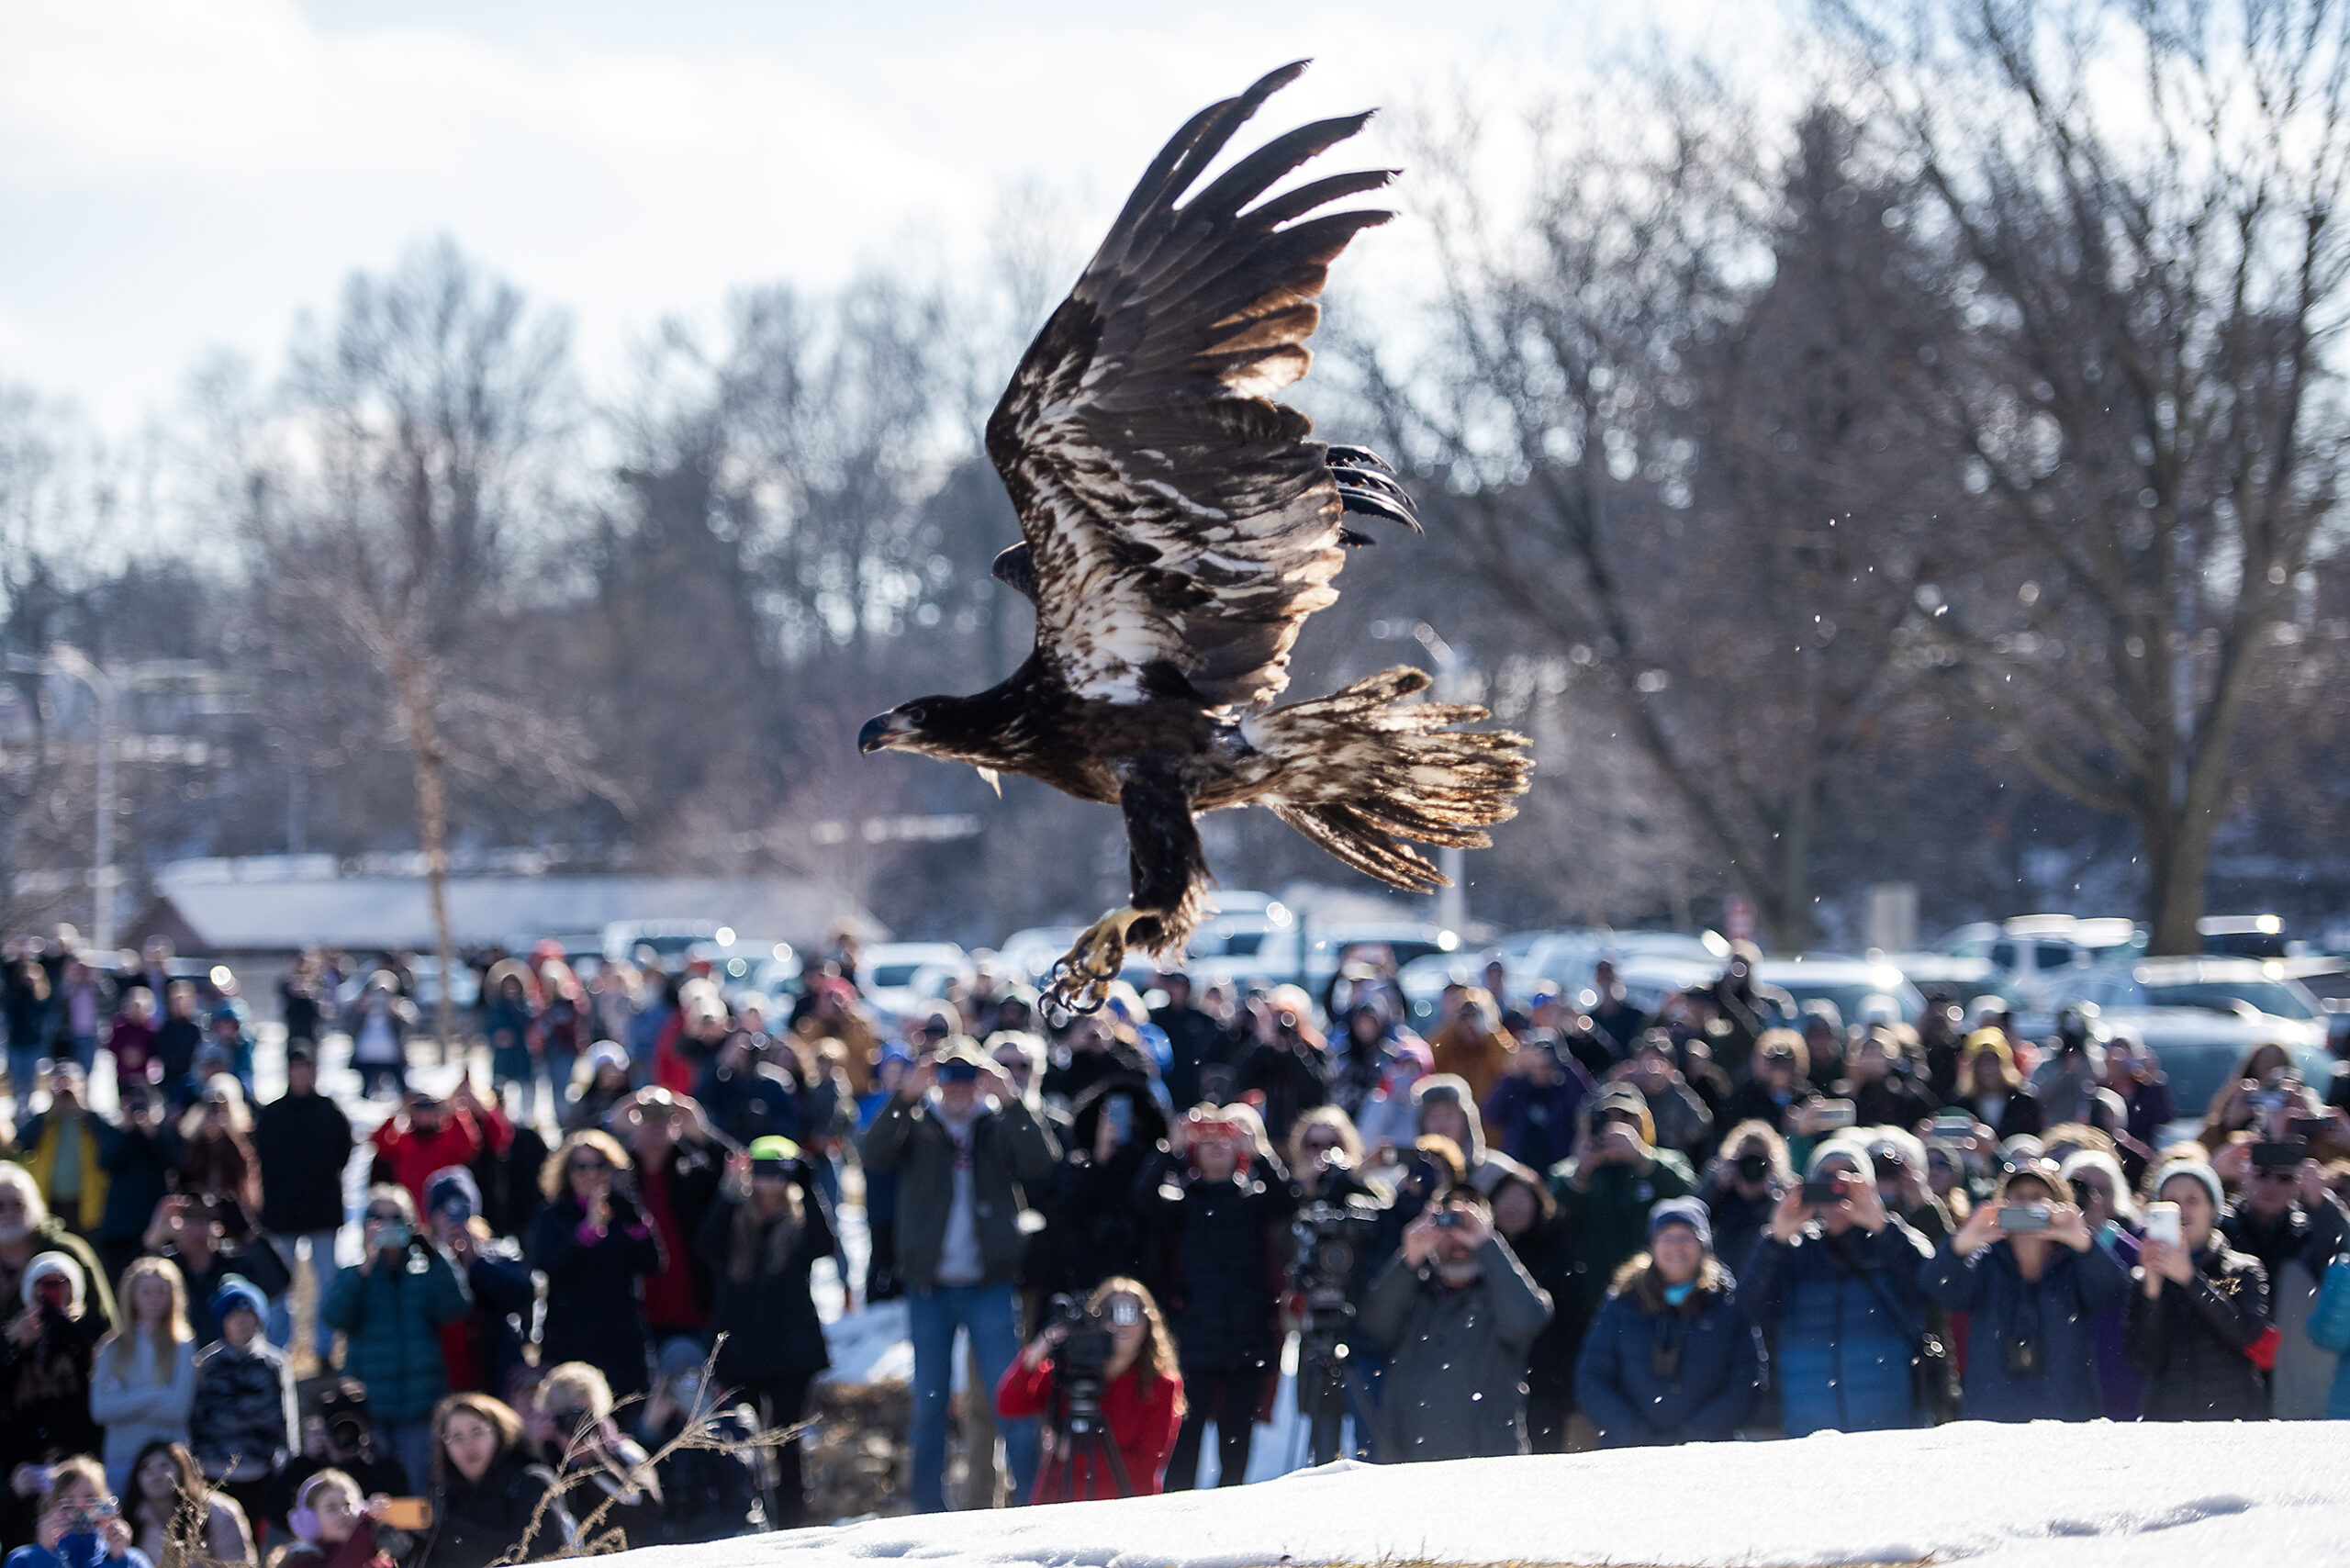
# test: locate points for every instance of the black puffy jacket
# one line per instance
(476, 1523)
(1219, 1239)
(593, 1310)
(769, 1319)
(2190, 1340)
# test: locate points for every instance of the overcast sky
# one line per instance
(175, 177)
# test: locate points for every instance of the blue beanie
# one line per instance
(1690, 1211)
(236, 1290)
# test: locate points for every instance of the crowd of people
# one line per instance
(580, 1298)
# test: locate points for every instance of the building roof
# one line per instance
(287, 914)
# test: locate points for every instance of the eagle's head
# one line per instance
(906, 727)
(982, 731)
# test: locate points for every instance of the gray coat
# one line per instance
(1456, 1388)
(1010, 1153)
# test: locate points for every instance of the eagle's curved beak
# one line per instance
(879, 732)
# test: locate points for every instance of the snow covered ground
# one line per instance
(2039, 1497)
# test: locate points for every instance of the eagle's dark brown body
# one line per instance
(1177, 526)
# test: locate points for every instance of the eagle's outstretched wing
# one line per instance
(1178, 525)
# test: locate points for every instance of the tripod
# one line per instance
(1085, 1442)
(1325, 1375)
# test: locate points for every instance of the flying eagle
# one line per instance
(1176, 529)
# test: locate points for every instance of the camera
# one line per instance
(1753, 1167)
(342, 1406)
(1081, 1362)
(1332, 1238)
(1822, 1191)
(2023, 1217)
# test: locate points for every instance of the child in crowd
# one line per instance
(241, 1422)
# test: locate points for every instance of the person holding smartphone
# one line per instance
(760, 1240)
(2200, 1314)
(80, 1524)
(2027, 1271)
(391, 1307)
(335, 1527)
(1834, 1278)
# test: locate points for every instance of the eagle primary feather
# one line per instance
(1177, 526)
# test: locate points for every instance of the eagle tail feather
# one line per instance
(1366, 774)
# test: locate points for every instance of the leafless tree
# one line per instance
(2143, 205)
(1662, 437)
(427, 419)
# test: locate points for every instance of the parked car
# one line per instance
(1854, 985)
(664, 939)
(2035, 961)
(898, 977)
(2199, 1016)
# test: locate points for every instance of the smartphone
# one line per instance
(408, 1513)
(2023, 1217)
(2308, 1129)
(1120, 1110)
(2162, 1223)
(1953, 1125)
(1833, 1114)
(2285, 1156)
(1827, 1190)
(1447, 1219)
(81, 1518)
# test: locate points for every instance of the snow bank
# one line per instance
(2081, 1495)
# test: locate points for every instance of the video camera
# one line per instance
(1081, 1362)
(1330, 1242)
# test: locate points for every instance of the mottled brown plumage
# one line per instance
(1177, 526)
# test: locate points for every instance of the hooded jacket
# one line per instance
(392, 1315)
(1652, 1374)
(1456, 1384)
(2031, 1344)
(1848, 1315)
(1219, 1237)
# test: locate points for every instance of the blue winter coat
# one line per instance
(2329, 1330)
(2056, 1313)
(1849, 1316)
(1651, 1374)
(393, 1314)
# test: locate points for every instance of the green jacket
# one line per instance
(1010, 1153)
(1607, 1216)
(393, 1316)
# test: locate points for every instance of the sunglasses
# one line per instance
(382, 1216)
(1319, 1145)
(588, 1165)
(2278, 1175)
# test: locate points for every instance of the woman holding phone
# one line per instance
(2200, 1313)
(2029, 1273)
(80, 1525)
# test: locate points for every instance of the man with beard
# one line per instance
(1460, 1314)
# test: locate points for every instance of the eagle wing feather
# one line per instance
(1180, 525)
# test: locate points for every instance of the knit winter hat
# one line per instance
(237, 1292)
(449, 1186)
(2198, 1169)
(1690, 1211)
(45, 1264)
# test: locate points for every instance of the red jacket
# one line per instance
(460, 1141)
(1143, 1424)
